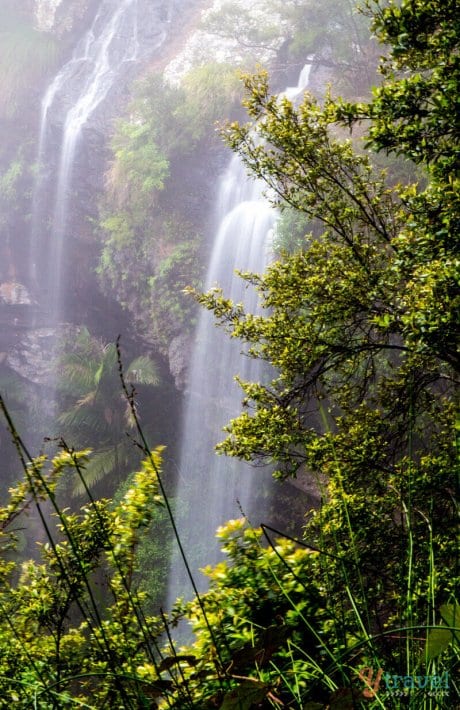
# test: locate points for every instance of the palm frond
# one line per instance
(108, 367)
(77, 373)
(143, 371)
(129, 415)
(101, 464)
(79, 422)
(88, 400)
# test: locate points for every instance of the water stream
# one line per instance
(212, 489)
(99, 64)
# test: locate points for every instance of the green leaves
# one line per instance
(58, 646)
(438, 640)
(97, 413)
(359, 327)
(415, 111)
(247, 695)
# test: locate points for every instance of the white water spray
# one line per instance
(76, 92)
(212, 489)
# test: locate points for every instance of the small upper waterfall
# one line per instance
(212, 489)
(99, 62)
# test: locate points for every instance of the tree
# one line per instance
(99, 414)
(415, 111)
(335, 34)
(361, 327)
(414, 114)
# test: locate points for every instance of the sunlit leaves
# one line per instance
(359, 324)
(54, 643)
(415, 111)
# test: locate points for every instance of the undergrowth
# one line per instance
(302, 624)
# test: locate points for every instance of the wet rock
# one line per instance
(60, 17)
(45, 14)
(34, 356)
(179, 357)
(13, 293)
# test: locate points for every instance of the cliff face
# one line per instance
(59, 16)
(45, 14)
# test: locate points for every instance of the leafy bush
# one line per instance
(291, 624)
(60, 646)
(172, 310)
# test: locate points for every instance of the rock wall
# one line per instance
(45, 14)
(59, 16)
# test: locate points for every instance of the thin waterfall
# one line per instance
(41, 187)
(75, 110)
(212, 489)
(72, 98)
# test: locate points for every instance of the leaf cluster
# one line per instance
(61, 646)
(360, 325)
(94, 410)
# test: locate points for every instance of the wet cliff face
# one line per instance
(45, 14)
(59, 16)
(25, 281)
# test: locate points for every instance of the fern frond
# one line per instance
(143, 371)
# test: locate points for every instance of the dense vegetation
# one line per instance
(151, 239)
(360, 326)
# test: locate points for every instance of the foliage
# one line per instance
(146, 236)
(337, 33)
(414, 112)
(211, 93)
(290, 230)
(253, 29)
(153, 552)
(287, 622)
(18, 400)
(9, 181)
(139, 167)
(132, 229)
(361, 327)
(334, 32)
(172, 310)
(59, 648)
(165, 122)
(89, 377)
(14, 185)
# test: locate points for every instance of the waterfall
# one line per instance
(212, 489)
(76, 109)
(98, 65)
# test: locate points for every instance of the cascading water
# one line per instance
(99, 63)
(75, 111)
(212, 489)
(74, 114)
